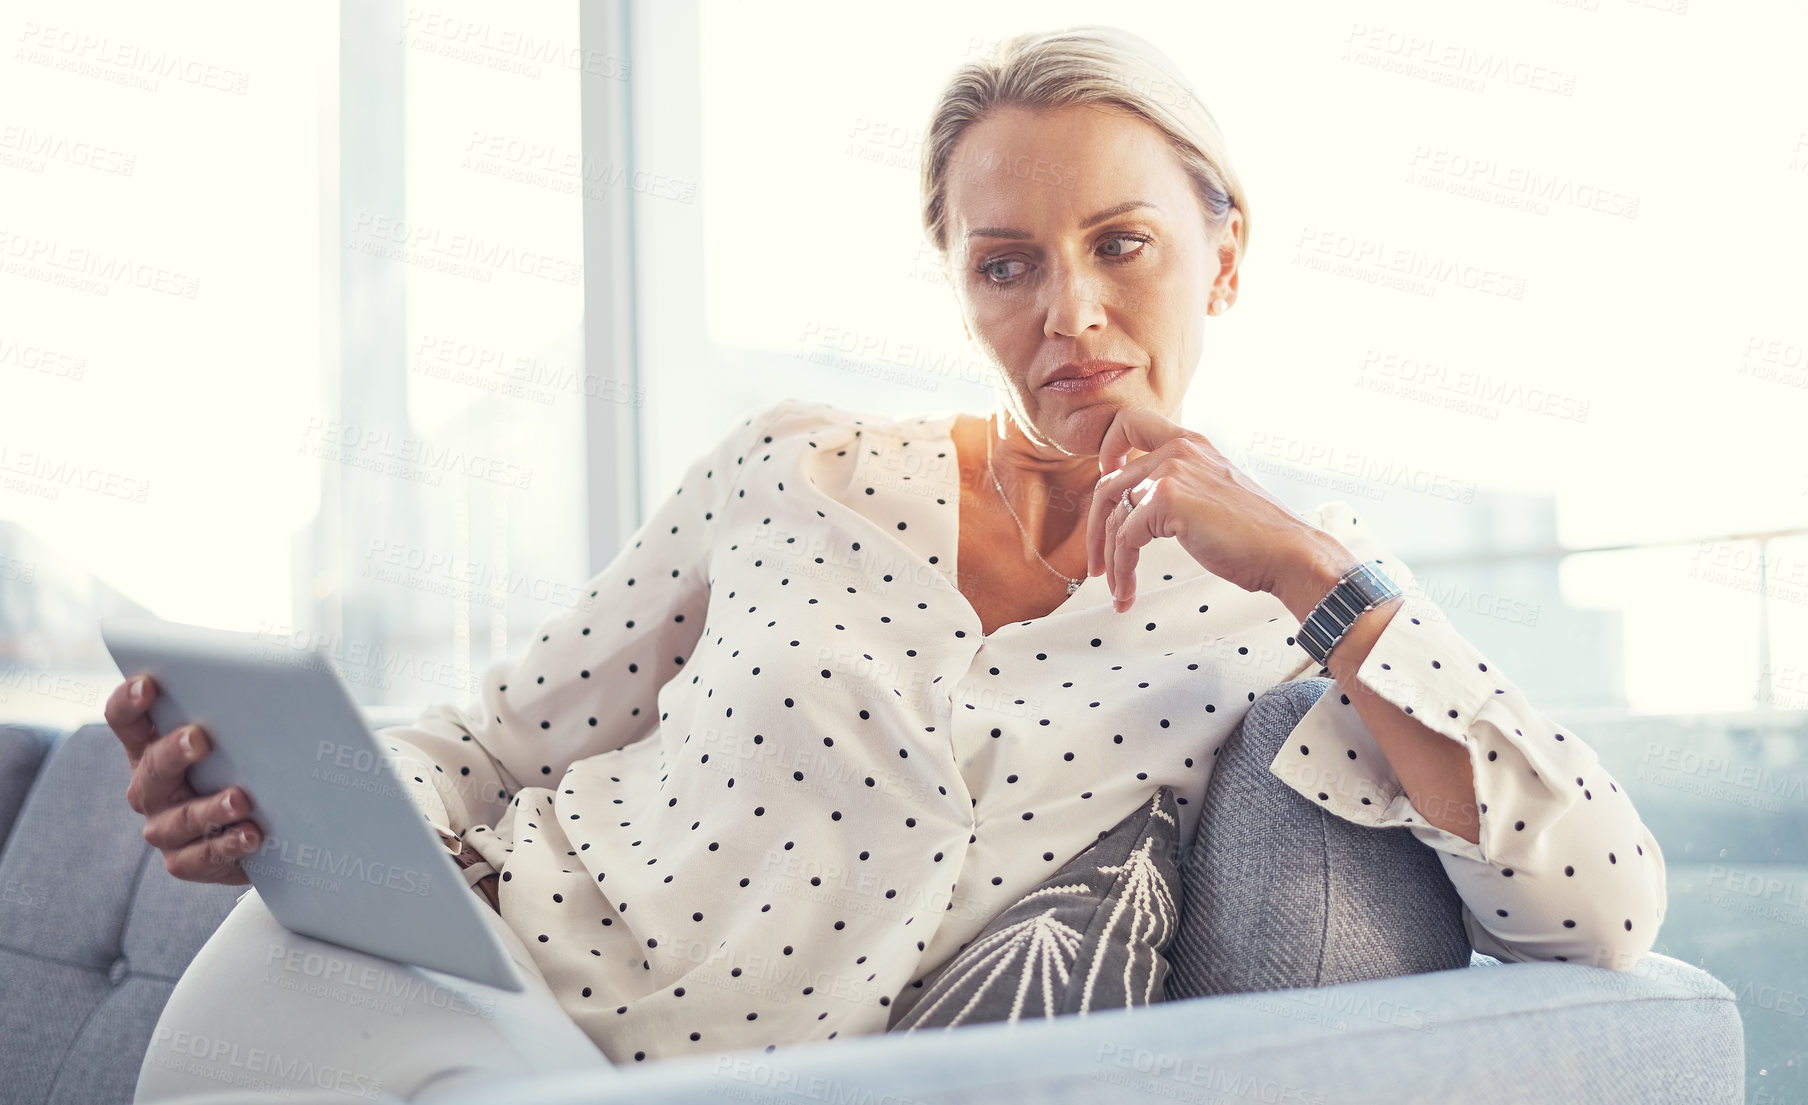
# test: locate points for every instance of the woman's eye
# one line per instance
(1123, 247)
(991, 270)
(1125, 251)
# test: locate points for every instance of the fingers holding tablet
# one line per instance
(128, 713)
(214, 819)
(160, 779)
(212, 857)
(202, 838)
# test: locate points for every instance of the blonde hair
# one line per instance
(1095, 66)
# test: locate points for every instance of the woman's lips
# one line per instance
(1098, 381)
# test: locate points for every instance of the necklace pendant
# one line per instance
(1072, 586)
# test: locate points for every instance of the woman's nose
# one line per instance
(1075, 304)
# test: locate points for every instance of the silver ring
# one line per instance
(1128, 507)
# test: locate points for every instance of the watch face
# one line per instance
(1373, 585)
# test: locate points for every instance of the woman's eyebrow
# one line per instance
(1013, 232)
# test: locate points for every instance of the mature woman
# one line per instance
(862, 681)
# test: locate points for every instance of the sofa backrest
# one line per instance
(94, 932)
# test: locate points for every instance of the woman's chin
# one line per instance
(1079, 427)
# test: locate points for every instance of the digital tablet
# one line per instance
(346, 855)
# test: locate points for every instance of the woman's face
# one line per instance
(1074, 235)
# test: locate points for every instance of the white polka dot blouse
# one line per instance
(769, 773)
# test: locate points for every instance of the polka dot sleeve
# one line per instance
(589, 678)
(1564, 869)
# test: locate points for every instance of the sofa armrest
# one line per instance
(1546, 1032)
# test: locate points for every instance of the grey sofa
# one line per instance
(94, 934)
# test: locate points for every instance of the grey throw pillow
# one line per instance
(1090, 938)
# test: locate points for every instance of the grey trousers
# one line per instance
(264, 1012)
(1277, 893)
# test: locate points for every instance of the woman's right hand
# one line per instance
(202, 838)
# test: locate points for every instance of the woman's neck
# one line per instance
(1051, 491)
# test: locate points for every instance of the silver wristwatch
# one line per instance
(1362, 588)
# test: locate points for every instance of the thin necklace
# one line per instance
(1072, 583)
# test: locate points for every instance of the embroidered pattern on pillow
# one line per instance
(1090, 938)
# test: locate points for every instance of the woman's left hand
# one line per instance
(1224, 519)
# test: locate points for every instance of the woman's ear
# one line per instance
(1229, 259)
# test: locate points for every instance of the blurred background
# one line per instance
(378, 327)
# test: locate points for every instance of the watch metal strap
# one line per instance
(1361, 588)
